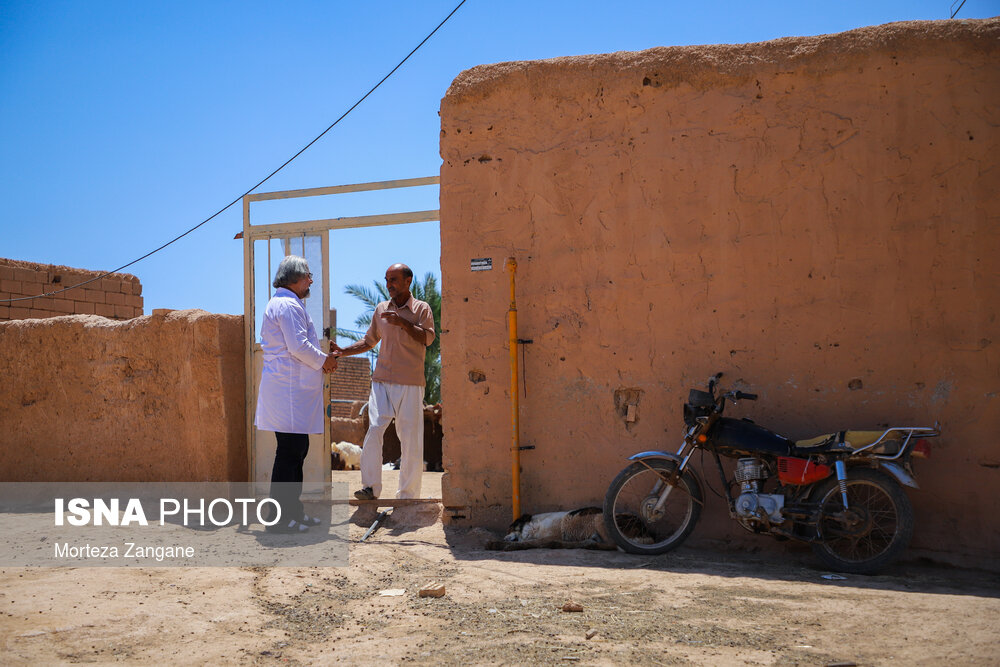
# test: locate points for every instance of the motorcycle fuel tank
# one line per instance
(740, 436)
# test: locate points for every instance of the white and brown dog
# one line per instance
(574, 529)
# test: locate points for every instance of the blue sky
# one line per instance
(123, 124)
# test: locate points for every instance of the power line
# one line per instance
(259, 183)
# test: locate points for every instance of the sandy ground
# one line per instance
(686, 607)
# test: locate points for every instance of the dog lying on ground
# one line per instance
(576, 529)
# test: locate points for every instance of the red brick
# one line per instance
(41, 313)
(107, 284)
(31, 289)
(104, 309)
(83, 308)
(6, 273)
(61, 305)
(115, 298)
(4, 312)
(75, 294)
(124, 312)
(134, 301)
(19, 313)
(12, 286)
(29, 275)
(137, 288)
(94, 296)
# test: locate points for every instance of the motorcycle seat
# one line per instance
(851, 440)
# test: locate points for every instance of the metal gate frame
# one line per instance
(285, 230)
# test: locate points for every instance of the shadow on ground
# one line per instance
(793, 562)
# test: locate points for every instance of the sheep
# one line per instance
(347, 454)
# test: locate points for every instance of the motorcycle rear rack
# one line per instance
(909, 431)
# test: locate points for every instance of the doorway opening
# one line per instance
(264, 245)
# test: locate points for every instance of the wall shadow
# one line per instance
(794, 564)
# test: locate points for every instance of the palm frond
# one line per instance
(349, 335)
(367, 296)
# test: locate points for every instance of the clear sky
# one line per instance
(123, 124)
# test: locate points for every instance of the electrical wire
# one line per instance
(259, 183)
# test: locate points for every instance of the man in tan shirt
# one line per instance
(405, 326)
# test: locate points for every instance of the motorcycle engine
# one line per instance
(751, 504)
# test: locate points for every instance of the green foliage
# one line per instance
(428, 291)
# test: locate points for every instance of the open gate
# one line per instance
(309, 239)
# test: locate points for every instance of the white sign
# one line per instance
(481, 264)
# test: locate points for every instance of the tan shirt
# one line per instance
(401, 359)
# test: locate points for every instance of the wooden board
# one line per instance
(387, 502)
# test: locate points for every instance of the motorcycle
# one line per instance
(841, 493)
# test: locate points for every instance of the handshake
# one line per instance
(330, 365)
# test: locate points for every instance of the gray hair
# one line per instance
(291, 269)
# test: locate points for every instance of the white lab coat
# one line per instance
(290, 399)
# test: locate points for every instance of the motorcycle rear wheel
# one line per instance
(630, 516)
(873, 532)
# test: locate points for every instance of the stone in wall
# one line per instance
(154, 398)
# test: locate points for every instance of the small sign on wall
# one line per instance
(481, 264)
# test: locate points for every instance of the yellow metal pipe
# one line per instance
(515, 441)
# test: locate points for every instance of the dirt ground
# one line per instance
(686, 607)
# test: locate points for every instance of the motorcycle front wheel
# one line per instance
(632, 518)
(872, 532)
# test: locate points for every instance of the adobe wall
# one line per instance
(155, 398)
(817, 217)
(117, 295)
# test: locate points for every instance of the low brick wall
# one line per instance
(352, 381)
(155, 398)
(118, 295)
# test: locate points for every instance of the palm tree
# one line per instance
(424, 291)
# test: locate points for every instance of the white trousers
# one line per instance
(405, 404)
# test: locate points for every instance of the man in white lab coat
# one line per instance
(290, 400)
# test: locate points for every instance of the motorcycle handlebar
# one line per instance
(746, 397)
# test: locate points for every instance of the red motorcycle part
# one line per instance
(921, 449)
(801, 471)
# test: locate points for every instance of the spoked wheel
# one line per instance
(873, 531)
(632, 517)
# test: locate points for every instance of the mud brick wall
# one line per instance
(154, 398)
(118, 295)
(817, 217)
(352, 381)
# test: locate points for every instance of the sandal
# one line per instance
(309, 520)
(292, 526)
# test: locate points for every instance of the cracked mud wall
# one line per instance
(155, 398)
(816, 217)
